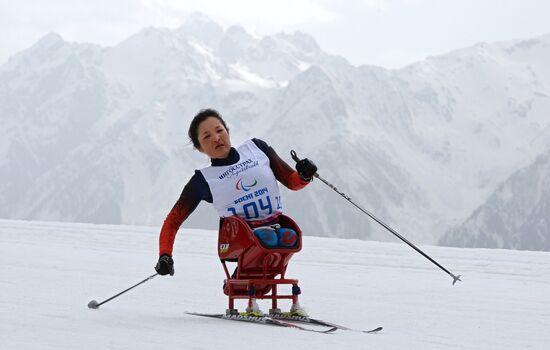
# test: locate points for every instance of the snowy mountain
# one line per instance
(98, 134)
(52, 270)
(121, 118)
(516, 215)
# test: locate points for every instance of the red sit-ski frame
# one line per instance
(257, 266)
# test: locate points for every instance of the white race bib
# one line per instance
(247, 188)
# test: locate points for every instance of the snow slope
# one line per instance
(51, 270)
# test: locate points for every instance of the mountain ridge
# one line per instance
(422, 147)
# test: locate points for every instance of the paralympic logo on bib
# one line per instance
(241, 186)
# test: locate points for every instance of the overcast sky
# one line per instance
(388, 33)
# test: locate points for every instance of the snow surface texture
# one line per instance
(97, 134)
(50, 271)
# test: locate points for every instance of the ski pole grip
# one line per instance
(294, 156)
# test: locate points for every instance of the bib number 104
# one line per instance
(263, 206)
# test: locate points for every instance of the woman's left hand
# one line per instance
(306, 169)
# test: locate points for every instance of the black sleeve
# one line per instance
(282, 171)
(195, 190)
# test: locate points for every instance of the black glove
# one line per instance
(306, 169)
(165, 265)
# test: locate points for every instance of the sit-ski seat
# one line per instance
(257, 266)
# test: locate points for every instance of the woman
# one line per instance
(227, 182)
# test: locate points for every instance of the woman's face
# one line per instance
(213, 138)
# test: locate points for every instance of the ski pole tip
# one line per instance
(93, 304)
(456, 278)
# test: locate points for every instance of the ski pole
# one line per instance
(95, 305)
(455, 278)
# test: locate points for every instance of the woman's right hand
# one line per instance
(165, 265)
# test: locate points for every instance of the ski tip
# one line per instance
(374, 330)
(203, 314)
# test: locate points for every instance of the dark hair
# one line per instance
(199, 118)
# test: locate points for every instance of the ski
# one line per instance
(305, 319)
(265, 320)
